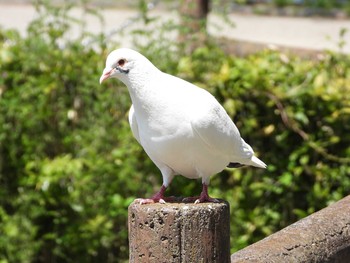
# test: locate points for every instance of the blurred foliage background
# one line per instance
(69, 166)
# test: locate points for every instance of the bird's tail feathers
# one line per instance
(255, 161)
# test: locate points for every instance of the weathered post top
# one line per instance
(179, 232)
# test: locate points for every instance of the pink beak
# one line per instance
(106, 74)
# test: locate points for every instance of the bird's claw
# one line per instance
(145, 201)
(206, 200)
(201, 199)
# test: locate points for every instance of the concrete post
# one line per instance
(179, 232)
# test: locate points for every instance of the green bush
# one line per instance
(65, 173)
(69, 166)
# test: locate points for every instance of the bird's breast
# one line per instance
(164, 121)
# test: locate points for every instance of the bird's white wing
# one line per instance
(133, 123)
(221, 135)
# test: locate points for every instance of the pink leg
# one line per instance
(156, 198)
(203, 198)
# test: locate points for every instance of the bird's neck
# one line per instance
(142, 88)
(138, 78)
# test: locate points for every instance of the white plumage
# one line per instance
(182, 128)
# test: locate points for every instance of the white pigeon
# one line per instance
(182, 128)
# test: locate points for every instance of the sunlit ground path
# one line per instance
(295, 32)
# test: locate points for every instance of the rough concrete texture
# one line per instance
(179, 232)
(321, 237)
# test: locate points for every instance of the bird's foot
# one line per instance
(157, 198)
(144, 201)
(190, 199)
(153, 200)
(203, 198)
(200, 199)
(206, 199)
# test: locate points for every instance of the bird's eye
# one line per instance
(121, 62)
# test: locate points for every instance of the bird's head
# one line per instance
(123, 62)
